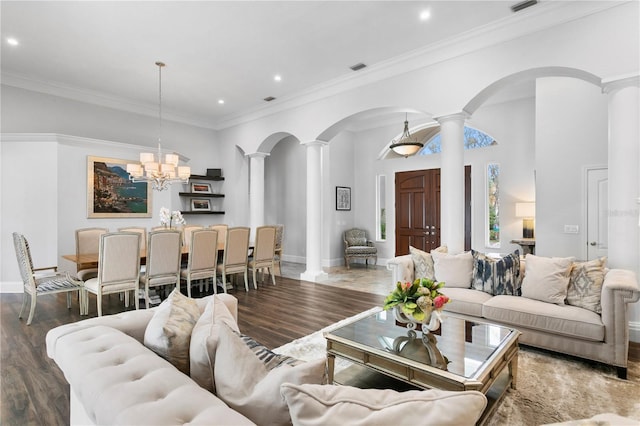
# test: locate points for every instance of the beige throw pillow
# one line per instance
(247, 385)
(456, 270)
(546, 278)
(423, 262)
(169, 331)
(316, 405)
(585, 284)
(204, 342)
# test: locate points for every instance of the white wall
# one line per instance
(571, 132)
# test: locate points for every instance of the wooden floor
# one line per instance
(33, 390)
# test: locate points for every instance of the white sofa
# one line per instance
(562, 328)
(115, 379)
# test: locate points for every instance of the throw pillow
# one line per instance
(334, 405)
(497, 276)
(250, 386)
(423, 262)
(168, 333)
(454, 269)
(204, 342)
(585, 284)
(546, 278)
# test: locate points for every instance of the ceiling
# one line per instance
(105, 52)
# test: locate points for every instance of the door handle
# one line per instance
(592, 243)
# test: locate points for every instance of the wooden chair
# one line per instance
(118, 267)
(357, 246)
(88, 242)
(203, 259)
(235, 256)
(164, 253)
(264, 252)
(38, 285)
(279, 240)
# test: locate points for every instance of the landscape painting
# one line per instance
(111, 194)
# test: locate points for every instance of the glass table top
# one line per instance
(459, 346)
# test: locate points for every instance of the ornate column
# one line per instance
(624, 177)
(452, 181)
(314, 212)
(256, 190)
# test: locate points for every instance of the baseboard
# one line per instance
(11, 287)
(634, 332)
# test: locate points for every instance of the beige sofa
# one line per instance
(115, 379)
(562, 328)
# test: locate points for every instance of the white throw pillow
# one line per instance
(312, 405)
(455, 270)
(168, 333)
(204, 342)
(248, 385)
(423, 262)
(546, 278)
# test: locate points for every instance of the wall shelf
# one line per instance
(209, 212)
(205, 177)
(190, 197)
(200, 194)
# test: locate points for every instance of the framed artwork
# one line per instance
(111, 194)
(343, 198)
(200, 205)
(203, 188)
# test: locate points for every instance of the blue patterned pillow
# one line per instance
(497, 276)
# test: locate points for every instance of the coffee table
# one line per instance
(463, 354)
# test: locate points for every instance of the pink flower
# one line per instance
(440, 301)
(407, 285)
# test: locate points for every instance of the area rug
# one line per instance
(551, 387)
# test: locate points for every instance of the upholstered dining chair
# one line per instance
(118, 267)
(357, 246)
(236, 252)
(39, 284)
(264, 252)
(187, 230)
(139, 229)
(164, 253)
(203, 259)
(222, 232)
(87, 242)
(278, 251)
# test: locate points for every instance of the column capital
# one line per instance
(457, 116)
(314, 143)
(612, 84)
(258, 155)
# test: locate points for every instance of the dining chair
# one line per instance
(187, 230)
(235, 256)
(143, 234)
(41, 284)
(87, 242)
(264, 252)
(118, 267)
(164, 253)
(222, 232)
(278, 251)
(203, 259)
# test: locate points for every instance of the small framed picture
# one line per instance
(200, 205)
(203, 188)
(343, 198)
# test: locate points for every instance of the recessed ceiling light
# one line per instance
(12, 41)
(221, 101)
(277, 77)
(425, 15)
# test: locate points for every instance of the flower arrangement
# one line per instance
(417, 299)
(167, 217)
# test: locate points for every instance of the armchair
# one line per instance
(357, 246)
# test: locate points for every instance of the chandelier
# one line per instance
(160, 174)
(407, 144)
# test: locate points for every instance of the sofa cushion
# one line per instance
(169, 332)
(247, 384)
(454, 269)
(546, 278)
(204, 342)
(465, 300)
(345, 405)
(496, 276)
(557, 319)
(423, 262)
(119, 381)
(585, 284)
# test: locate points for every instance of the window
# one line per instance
(472, 139)
(493, 205)
(381, 216)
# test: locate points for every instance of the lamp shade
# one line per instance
(525, 209)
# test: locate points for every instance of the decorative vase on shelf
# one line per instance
(431, 322)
